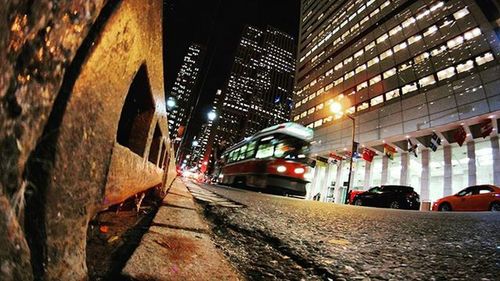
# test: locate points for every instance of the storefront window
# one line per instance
(436, 170)
(460, 168)
(484, 162)
(394, 170)
(376, 177)
(415, 173)
(359, 174)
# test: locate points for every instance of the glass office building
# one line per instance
(405, 70)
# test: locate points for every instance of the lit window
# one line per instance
(404, 66)
(328, 87)
(361, 9)
(298, 104)
(365, 19)
(385, 4)
(386, 54)
(362, 86)
(360, 68)
(446, 23)
(455, 42)
(319, 106)
(465, 66)
(438, 50)
(472, 33)
(318, 123)
(310, 126)
(328, 119)
(446, 73)
(304, 100)
(372, 14)
(296, 118)
(329, 72)
(350, 110)
(310, 111)
(312, 83)
(424, 13)
(338, 66)
(461, 13)
(372, 61)
(422, 57)
(484, 58)
(347, 60)
(395, 30)
(408, 88)
(354, 27)
(370, 46)
(400, 47)
(437, 6)
(320, 91)
(430, 30)
(338, 81)
(303, 114)
(389, 73)
(377, 100)
(362, 106)
(408, 22)
(392, 94)
(370, 2)
(427, 81)
(375, 79)
(382, 38)
(312, 96)
(358, 53)
(414, 39)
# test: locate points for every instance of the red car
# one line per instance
(473, 198)
(352, 194)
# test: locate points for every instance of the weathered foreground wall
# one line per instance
(66, 69)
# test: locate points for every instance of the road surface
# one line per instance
(274, 237)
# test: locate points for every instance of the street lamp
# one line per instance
(336, 108)
(212, 115)
(195, 143)
(170, 103)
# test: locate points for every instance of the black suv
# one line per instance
(389, 196)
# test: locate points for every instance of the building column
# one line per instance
(403, 180)
(368, 175)
(338, 183)
(471, 154)
(448, 173)
(385, 168)
(312, 186)
(496, 160)
(425, 180)
(324, 185)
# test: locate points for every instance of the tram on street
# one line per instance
(274, 158)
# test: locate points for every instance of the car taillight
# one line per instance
(281, 169)
(299, 170)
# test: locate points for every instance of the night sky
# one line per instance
(217, 24)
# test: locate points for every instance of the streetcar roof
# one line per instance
(289, 128)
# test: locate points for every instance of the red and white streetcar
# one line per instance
(276, 157)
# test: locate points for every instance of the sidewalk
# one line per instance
(177, 246)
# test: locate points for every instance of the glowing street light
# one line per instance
(212, 115)
(195, 143)
(170, 103)
(337, 109)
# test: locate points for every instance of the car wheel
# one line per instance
(445, 207)
(394, 205)
(358, 202)
(495, 207)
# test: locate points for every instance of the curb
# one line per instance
(178, 246)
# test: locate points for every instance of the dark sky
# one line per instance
(217, 24)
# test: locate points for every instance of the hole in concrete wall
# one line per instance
(163, 154)
(137, 114)
(154, 151)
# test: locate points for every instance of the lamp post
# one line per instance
(336, 108)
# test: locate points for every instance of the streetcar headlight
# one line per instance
(281, 169)
(299, 170)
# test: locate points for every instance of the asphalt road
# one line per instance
(281, 238)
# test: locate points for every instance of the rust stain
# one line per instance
(178, 248)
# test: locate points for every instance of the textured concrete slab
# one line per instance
(178, 246)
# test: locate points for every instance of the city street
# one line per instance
(275, 237)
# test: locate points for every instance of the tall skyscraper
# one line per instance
(260, 85)
(421, 75)
(182, 97)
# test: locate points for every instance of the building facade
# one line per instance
(412, 74)
(182, 98)
(260, 86)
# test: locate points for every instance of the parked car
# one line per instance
(352, 194)
(472, 198)
(389, 196)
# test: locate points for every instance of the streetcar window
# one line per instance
(251, 149)
(243, 150)
(265, 150)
